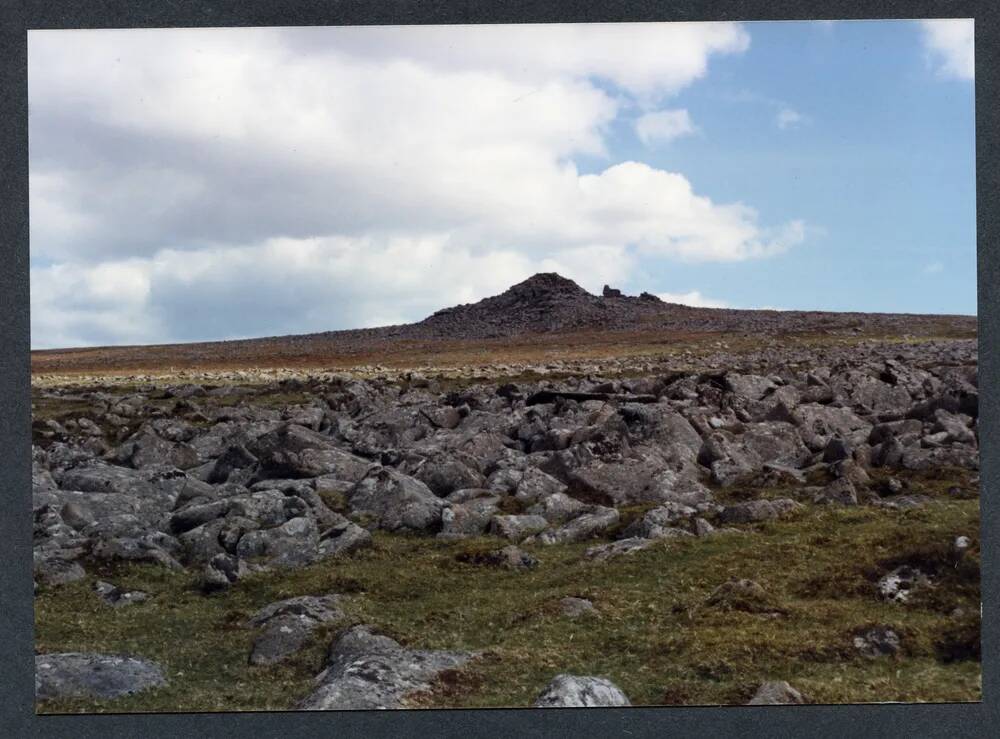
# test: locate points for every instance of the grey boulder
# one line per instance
(369, 671)
(77, 675)
(571, 691)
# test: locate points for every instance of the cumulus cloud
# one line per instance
(951, 45)
(214, 183)
(693, 298)
(663, 126)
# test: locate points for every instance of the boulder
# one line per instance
(573, 691)
(101, 676)
(116, 597)
(775, 693)
(585, 526)
(396, 502)
(288, 625)
(878, 641)
(462, 520)
(840, 492)
(752, 511)
(604, 552)
(517, 528)
(574, 608)
(368, 671)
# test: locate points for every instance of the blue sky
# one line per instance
(199, 184)
(881, 168)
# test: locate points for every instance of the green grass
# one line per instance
(655, 636)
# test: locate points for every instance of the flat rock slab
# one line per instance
(77, 675)
(369, 671)
(571, 691)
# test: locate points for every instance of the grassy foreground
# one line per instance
(655, 636)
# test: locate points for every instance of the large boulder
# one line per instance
(396, 502)
(293, 544)
(294, 451)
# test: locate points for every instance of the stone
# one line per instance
(368, 671)
(659, 522)
(222, 571)
(341, 539)
(574, 608)
(836, 450)
(840, 491)
(753, 511)
(236, 457)
(461, 520)
(509, 558)
(102, 676)
(573, 691)
(517, 528)
(878, 641)
(116, 597)
(292, 545)
(585, 526)
(740, 595)
(604, 552)
(396, 502)
(288, 625)
(776, 693)
(54, 569)
(898, 586)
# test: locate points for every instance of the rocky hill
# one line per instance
(546, 304)
(549, 303)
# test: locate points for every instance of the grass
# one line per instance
(654, 636)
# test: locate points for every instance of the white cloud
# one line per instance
(788, 118)
(663, 126)
(251, 181)
(286, 286)
(933, 268)
(693, 298)
(951, 45)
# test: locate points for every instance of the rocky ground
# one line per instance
(773, 522)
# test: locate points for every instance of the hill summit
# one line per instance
(543, 303)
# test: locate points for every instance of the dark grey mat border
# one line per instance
(16, 638)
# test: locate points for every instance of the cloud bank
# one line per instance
(221, 183)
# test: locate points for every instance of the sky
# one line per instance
(204, 184)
